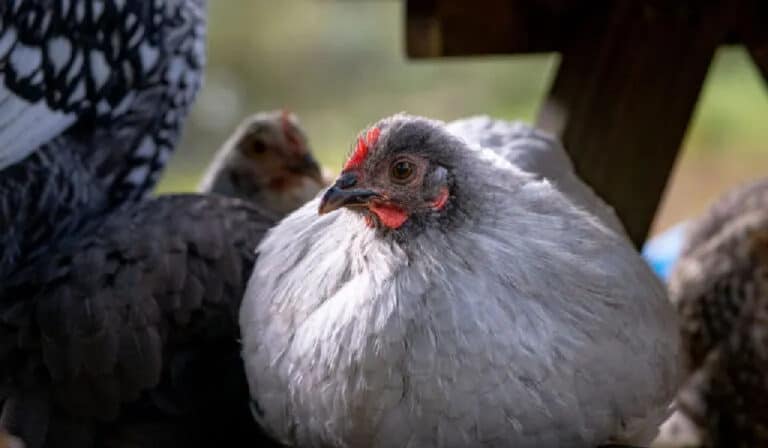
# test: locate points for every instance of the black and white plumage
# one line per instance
(117, 313)
(128, 330)
(98, 88)
(720, 286)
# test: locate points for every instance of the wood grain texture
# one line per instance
(624, 94)
(630, 75)
(755, 35)
(436, 28)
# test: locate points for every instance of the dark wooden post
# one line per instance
(437, 28)
(630, 74)
(754, 30)
(623, 96)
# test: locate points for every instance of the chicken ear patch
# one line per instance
(441, 200)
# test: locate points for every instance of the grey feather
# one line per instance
(538, 153)
(515, 317)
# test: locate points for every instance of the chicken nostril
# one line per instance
(347, 180)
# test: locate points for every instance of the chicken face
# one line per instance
(390, 180)
(277, 147)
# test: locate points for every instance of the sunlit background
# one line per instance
(341, 65)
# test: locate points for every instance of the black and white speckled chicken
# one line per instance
(117, 313)
(93, 94)
(720, 286)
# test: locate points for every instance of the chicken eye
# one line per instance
(253, 148)
(402, 170)
(258, 147)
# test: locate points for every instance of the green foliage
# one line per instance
(732, 114)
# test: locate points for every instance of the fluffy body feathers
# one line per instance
(511, 317)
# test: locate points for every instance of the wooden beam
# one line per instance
(759, 54)
(624, 93)
(436, 28)
(754, 27)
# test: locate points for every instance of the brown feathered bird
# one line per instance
(720, 286)
(267, 160)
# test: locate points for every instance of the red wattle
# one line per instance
(390, 215)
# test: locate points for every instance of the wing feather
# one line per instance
(25, 126)
(94, 62)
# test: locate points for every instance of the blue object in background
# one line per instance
(662, 251)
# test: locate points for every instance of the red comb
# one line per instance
(284, 117)
(362, 147)
(285, 122)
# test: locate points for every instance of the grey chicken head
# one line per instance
(400, 175)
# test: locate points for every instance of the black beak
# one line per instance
(309, 167)
(343, 194)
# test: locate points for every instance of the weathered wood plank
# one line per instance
(436, 28)
(754, 28)
(440, 28)
(623, 96)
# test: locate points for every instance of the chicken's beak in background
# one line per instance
(308, 166)
(343, 194)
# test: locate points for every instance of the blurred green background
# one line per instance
(341, 64)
